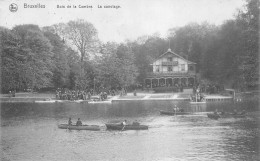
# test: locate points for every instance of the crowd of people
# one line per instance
(197, 94)
(197, 97)
(177, 86)
(12, 93)
(210, 88)
(65, 94)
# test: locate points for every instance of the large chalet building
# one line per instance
(171, 70)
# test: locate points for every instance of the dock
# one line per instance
(210, 98)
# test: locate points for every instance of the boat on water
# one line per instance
(234, 115)
(83, 127)
(100, 102)
(213, 116)
(126, 127)
(45, 101)
(173, 113)
(226, 115)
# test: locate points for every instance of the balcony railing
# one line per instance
(170, 74)
(167, 63)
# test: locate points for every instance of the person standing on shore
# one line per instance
(176, 109)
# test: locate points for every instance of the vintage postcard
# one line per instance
(129, 80)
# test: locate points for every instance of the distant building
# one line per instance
(171, 70)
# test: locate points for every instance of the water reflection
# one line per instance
(116, 109)
(29, 132)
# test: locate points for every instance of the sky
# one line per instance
(134, 18)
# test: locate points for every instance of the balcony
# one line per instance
(170, 74)
(171, 63)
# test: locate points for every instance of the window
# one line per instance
(169, 68)
(182, 67)
(169, 59)
(157, 69)
(191, 68)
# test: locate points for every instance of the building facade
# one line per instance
(171, 70)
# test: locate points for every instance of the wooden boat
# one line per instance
(83, 127)
(227, 115)
(100, 102)
(45, 101)
(234, 115)
(173, 113)
(127, 127)
(213, 116)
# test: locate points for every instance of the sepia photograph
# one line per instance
(129, 80)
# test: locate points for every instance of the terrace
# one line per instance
(171, 74)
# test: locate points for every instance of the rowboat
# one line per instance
(226, 115)
(100, 102)
(234, 115)
(126, 127)
(173, 113)
(83, 127)
(213, 116)
(47, 101)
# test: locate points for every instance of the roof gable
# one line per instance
(169, 51)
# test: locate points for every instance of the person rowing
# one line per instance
(79, 123)
(216, 112)
(136, 123)
(69, 122)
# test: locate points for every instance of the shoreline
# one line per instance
(50, 98)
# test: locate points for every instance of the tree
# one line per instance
(116, 66)
(142, 61)
(73, 59)
(248, 21)
(83, 35)
(126, 69)
(190, 41)
(106, 67)
(26, 58)
(11, 61)
(60, 62)
(37, 50)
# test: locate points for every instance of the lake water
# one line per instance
(29, 132)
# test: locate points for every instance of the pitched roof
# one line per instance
(170, 51)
